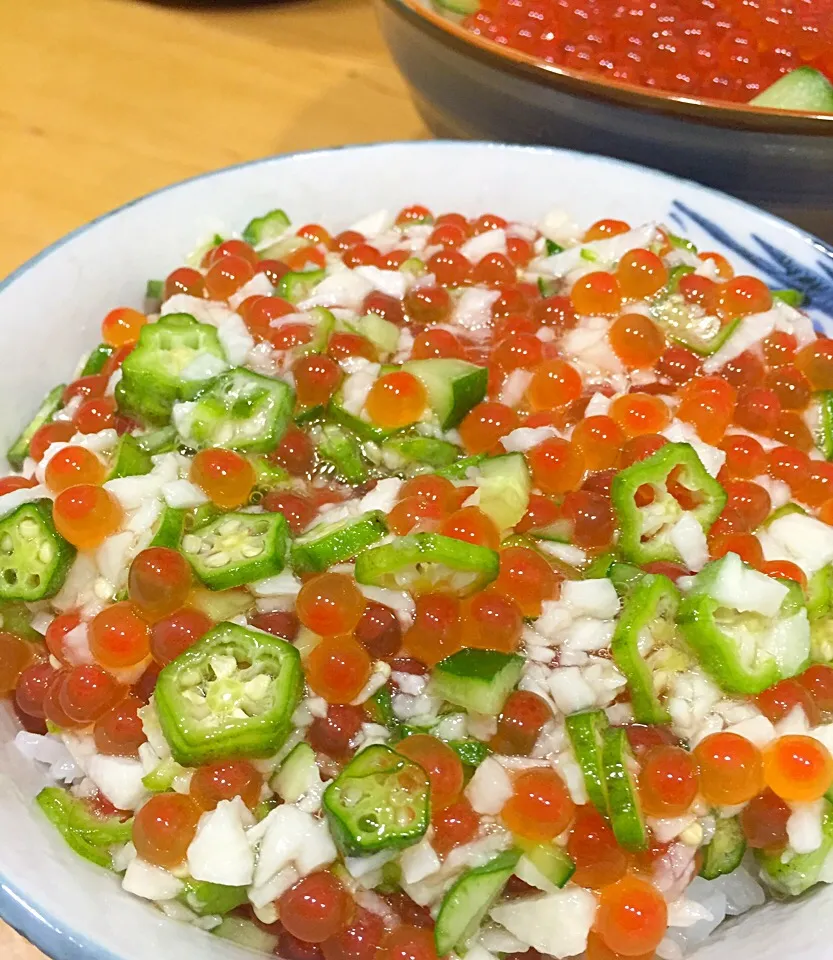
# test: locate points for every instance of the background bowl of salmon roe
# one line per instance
(50, 313)
(498, 75)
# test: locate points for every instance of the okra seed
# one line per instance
(28, 529)
(252, 549)
(220, 559)
(229, 527)
(191, 544)
(7, 544)
(46, 552)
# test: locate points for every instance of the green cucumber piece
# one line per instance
(343, 452)
(703, 335)
(429, 451)
(163, 440)
(238, 548)
(383, 334)
(586, 731)
(793, 298)
(96, 360)
(297, 773)
(154, 295)
(170, 529)
(129, 459)
(211, 899)
(247, 935)
(468, 901)
(329, 543)
(261, 231)
(550, 860)
(790, 875)
(477, 680)
(221, 605)
(599, 568)
(324, 323)
(298, 286)
(16, 618)
(427, 561)
(453, 387)
(725, 850)
(51, 403)
(803, 89)
(268, 475)
(504, 484)
(823, 432)
(622, 792)
(239, 410)
(471, 752)
(460, 469)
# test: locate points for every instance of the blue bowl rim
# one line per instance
(28, 919)
(714, 113)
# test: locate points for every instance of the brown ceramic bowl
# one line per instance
(469, 87)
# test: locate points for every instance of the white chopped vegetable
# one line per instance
(204, 367)
(261, 895)
(119, 779)
(400, 601)
(603, 252)
(666, 829)
(51, 751)
(513, 390)
(259, 285)
(419, 862)
(564, 551)
(393, 283)
(183, 494)
(220, 852)
(342, 288)
(489, 788)
(16, 498)
(804, 827)
(491, 241)
(149, 882)
(556, 924)
(599, 404)
(205, 311)
(581, 688)
(357, 385)
(688, 538)
(596, 598)
(525, 438)
(383, 496)
(529, 873)
(285, 584)
(711, 457)
(758, 730)
(77, 646)
(746, 590)
(290, 837)
(807, 541)
(235, 339)
(373, 224)
(749, 331)
(113, 558)
(473, 310)
(377, 679)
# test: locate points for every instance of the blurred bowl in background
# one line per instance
(468, 87)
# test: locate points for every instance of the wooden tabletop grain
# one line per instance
(104, 100)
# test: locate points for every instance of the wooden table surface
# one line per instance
(104, 100)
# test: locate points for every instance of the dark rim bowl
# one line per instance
(564, 80)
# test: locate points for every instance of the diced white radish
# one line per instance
(490, 241)
(514, 388)
(804, 827)
(758, 730)
(529, 873)
(525, 438)
(807, 540)
(259, 285)
(749, 331)
(16, 498)
(747, 590)
(419, 862)
(204, 367)
(183, 494)
(556, 923)
(489, 788)
(604, 252)
(149, 882)
(282, 585)
(473, 310)
(383, 496)
(358, 385)
(373, 224)
(688, 538)
(400, 601)
(711, 457)
(235, 339)
(267, 893)
(393, 283)
(119, 779)
(594, 598)
(342, 288)
(220, 852)
(289, 836)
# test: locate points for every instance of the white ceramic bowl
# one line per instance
(50, 310)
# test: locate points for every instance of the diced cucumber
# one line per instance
(704, 334)
(129, 459)
(324, 323)
(239, 410)
(51, 403)
(477, 680)
(211, 899)
(725, 850)
(247, 934)
(170, 529)
(469, 900)
(415, 449)
(622, 792)
(330, 543)
(504, 485)
(383, 334)
(154, 295)
(261, 231)
(161, 778)
(16, 618)
(552, 247)
(428, 561)
(268, 475)
(342, 450)
(586, 731)
(298, 773)
(823, 432)
(783, 511)
(599, 567)
(96, 360)
(804, 89)
(819, 593)
(471, 752)
(453, 387)
(296, 287)
(793, 298)
(789, 873)
(221, 605)
(549, 860)
(460, 469)
(163, 440)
